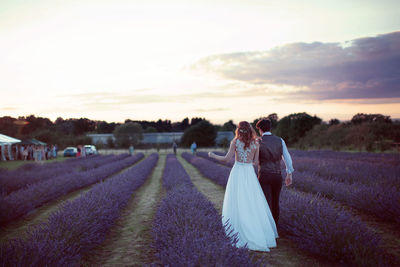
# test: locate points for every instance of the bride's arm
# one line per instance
(228, 156)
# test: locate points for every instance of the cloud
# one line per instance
(8, 108)
(104, 100)
(364, 68)
(210, 110)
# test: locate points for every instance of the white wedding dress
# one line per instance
(245, 208)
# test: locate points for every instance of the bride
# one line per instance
(245, 208)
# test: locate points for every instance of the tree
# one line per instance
(294, 126)
(128, 133)
(105, 127)
(110, 142)
(83, 125)
(196, 120)
(180, 126)
(228, 126)
(35, 123)
(361, 117)
(8, 126)
(333, 122)
(203, 133)
(150, 129)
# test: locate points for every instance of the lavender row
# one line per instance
(350, 172)
(187, 229)
(343, 171)
(23, 201)
(205, 155)
(79, 225)
(319, 226)
(364, 157)
(316, 224)
(18, 179)
(218, 174)
(379, 200)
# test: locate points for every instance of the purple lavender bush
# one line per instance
(205, 156)
(23, 201)
(79, 225)
(350, 171)
(217, 173)
(316, 224)
(187, 229)
(364, 157)
(379, 200)
(11, 181)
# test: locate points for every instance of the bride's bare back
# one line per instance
(242, 154)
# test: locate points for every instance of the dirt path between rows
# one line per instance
(285, 254)
(19, 227)
(129, 242)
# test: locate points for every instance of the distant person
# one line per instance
(21, 152)
(25, 154)
(55, 150)
(48, 154)
(131, 150)
(174, 147)
(36, 153)
(79, 152)
(193, 148)
(42, 153)
(31, 153)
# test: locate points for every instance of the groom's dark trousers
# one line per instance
(271, 185)
(269, 171)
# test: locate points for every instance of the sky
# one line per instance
(221, 60)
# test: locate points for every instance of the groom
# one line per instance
(272, 150)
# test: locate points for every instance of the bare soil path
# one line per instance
(129, 242)
(285, 254)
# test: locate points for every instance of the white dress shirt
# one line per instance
(285, 155)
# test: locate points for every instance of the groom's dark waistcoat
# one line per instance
(270, 154)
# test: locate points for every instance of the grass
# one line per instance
(14, 164)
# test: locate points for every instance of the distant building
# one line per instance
(159, 138)
(101, 138)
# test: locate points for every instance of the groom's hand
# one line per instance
(288, 180)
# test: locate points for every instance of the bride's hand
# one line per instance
(288, 180)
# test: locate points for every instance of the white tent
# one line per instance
(7, 141)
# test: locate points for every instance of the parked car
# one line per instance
(70, 152)
(90, 150)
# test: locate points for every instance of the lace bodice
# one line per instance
(245, 155)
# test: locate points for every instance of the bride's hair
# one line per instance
(245, 133)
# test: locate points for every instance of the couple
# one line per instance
(245, 205)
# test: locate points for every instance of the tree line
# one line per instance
(369, 132)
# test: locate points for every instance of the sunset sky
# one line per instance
(148, 60)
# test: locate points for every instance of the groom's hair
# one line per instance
(264, 125)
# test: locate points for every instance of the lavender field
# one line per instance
(158, 210)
